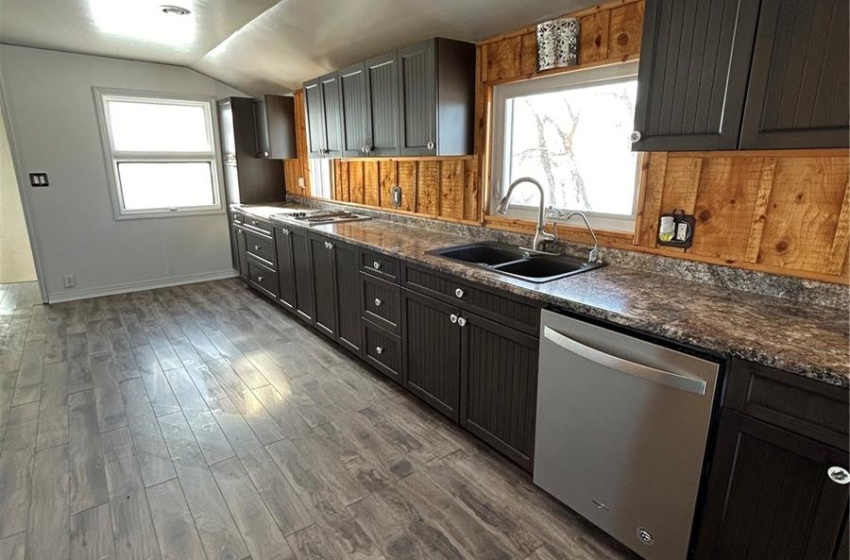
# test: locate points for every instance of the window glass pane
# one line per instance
(158, 127)
(575, 142)
(146, 186)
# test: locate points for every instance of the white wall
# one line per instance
(54, 128)
(15, 255)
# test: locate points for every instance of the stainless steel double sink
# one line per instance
(517, 263)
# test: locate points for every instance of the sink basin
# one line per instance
(512, 261)
(488, 254)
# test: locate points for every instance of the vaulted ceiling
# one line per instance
(260, 46)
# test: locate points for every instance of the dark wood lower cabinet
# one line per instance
(432, 352)
(498, 395)
(285, 267)
(305, 303)
(324, 283)
(770, 495)
(348, 289)
(241, 251)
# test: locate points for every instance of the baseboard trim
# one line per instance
(141, 286)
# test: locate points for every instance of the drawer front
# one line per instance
(810, 408)
(382, 303)
(382, 350)
(260, 246)
(258, 223)
(380, 266)
(263, 278)
(504, 309)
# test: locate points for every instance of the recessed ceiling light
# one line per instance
(174, 10)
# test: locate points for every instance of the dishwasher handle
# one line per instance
(678, 381)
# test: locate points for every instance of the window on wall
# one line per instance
(569, 132)
(161, 154)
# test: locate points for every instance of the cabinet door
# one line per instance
(241, 251)
(418, 98)
(285, 267)
(236, 124)
(305, 300)
(694, 62)
(798, 93)
(324, 284)
(432, 352)
(274, 117)
(333, 114)
(382, 93)
(498, 395)
(356, 118)
(348, 286)
(316, 128)
(770, 495)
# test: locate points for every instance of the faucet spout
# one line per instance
(594, 253)
(540, 235)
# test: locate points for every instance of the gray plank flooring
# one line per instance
(201, 422)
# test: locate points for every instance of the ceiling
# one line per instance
(260, 46)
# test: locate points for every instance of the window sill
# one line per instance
(566, 232)
(170, 214)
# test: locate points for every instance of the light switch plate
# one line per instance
(39, 180)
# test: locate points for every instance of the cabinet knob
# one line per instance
(379, 349)
(285, 231)
(461, 322)
(254, 222)
(453, 318)
(378, 302)
(430, 145)
(256, 247)
(265, 154)
(376, 265)
(634, 136)
(839, 475)
(459, 293)
(259, 278)
(329, 245)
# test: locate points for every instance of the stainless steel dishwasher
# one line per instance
(622, 426)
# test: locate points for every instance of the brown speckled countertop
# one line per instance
(805, 340)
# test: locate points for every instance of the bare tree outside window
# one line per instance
(576, 143)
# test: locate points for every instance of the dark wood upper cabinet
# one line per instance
(355, 111)
(324, 116)
(274, 120)
(247, 179)
(436, 88)
(382, 93)
(798, 92)
(694, 63)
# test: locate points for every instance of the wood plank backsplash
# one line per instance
(784, 212)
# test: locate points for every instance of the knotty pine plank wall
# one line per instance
(784, 212)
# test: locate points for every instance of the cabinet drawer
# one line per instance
(380, 266)
(260, 246)
(263, 278)
(258, 223)
(382, 350)
(804, 406)
(382, 303)
(505, 309)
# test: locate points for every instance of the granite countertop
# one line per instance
(805, 340)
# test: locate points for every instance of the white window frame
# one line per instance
(501, 139)
(114, 157)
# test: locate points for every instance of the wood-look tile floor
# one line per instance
(203, 422)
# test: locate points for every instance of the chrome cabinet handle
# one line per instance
(453, 318)
(461, 322)
(635, 136)
(376, 265)
(678, 381)
(330, 245)
(259, 278)
(254, 222)
(284, 231)
(379, 349)
(459, 293)
(378, 302)
(256, 247)
(430, 145)
(838, 475)
(327, 245)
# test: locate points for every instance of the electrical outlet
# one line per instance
(39, 180)
(70, 281)
(301, 183)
